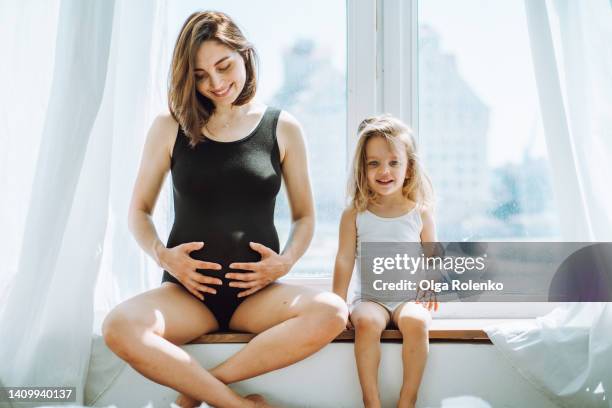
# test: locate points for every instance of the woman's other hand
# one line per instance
(271, 267)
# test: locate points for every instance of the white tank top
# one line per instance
(372, 228)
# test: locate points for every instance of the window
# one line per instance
(470, 97)
(460, 73)
(477, 99)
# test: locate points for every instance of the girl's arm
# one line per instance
(428, 233)
(345, 258)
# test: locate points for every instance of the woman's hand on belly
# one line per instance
(271, 267)
(178, 263)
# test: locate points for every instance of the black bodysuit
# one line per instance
(224, 196)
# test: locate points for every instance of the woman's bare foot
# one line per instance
(184, 401)
(259, 401)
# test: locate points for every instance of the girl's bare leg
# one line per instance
(413, 320)
(369, 320)
(146, 330)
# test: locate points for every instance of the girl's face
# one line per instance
(220, 73)
(386, 167)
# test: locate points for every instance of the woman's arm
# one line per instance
(154, 165)
(297, 183)
(345, 258)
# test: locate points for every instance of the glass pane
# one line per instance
(480, 128)
(302, 69)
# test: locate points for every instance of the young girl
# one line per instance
(389, 195)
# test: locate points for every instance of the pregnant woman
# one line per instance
(227, 154)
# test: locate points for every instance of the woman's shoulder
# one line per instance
(165, 121)
(288, 126)
(164, 130)
(289, 133)
(286, 118)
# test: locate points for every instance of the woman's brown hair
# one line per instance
(187, 106)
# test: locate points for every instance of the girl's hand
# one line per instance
(271, 267)
(179, 264)
(428, 299)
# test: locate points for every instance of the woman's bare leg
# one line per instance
(146, 330)
(413, 320)
(369, 320)
(293, 322)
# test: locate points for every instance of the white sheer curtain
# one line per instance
(81, 83)
(567, 353)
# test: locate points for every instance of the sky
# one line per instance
(491, 44)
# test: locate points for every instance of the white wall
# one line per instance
(457, 375)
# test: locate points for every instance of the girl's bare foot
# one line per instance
(184, 401)
(372, 402)
(259, 401)
(407, 399)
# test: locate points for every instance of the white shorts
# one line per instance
(390, 307)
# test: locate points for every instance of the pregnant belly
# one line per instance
(226, 246)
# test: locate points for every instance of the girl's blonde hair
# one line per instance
(417, 186)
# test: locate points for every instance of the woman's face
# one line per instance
(386, 167)
(220, 73)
